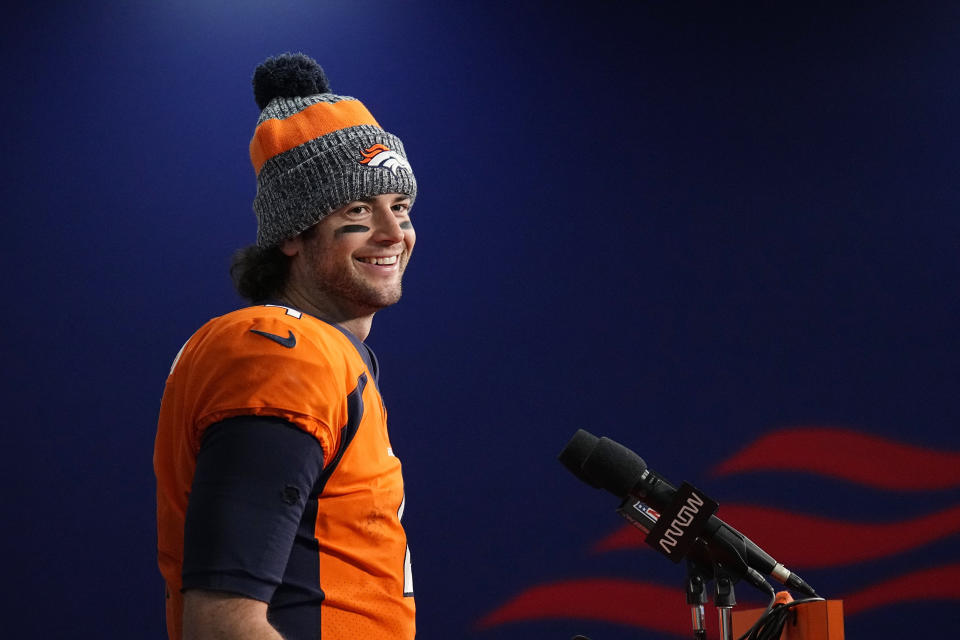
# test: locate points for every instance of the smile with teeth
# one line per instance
(382, 261)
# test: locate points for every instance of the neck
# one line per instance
(357, 323)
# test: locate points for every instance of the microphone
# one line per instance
(580, 446)
(642, 517)
(605, 464)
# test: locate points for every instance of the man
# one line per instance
(279, 496)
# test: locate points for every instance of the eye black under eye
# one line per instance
(353, 228)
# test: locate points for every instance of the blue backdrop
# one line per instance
(723, 234)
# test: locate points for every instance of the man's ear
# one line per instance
(291, 246)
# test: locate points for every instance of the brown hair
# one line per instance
(259, 274)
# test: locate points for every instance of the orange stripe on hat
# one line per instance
(274, 136)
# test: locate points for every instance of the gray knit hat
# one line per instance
(314, 151)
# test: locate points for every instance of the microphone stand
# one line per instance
(699, 572)
(702, 565)
(724, 599)
(697, 577)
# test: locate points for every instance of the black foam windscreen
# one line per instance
(576, 451)
(613, 467)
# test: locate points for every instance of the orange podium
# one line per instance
(822, 620)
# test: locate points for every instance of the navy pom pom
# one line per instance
(288, 75)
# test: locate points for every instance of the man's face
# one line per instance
(352, 262)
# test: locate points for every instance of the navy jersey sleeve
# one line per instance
(253, 478)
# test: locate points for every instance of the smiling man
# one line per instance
(350, 265)
(279, 496)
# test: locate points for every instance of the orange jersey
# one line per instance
(274, 361)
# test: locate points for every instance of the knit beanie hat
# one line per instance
(314, 151)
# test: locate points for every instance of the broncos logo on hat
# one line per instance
(382, 156)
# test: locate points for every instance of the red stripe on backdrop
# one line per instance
(663, 609)
(637, 604)
(805, 541)
(938, 583)
(849, 455)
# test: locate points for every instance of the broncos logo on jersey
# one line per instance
(382, 156)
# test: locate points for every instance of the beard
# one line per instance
(345, 286)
